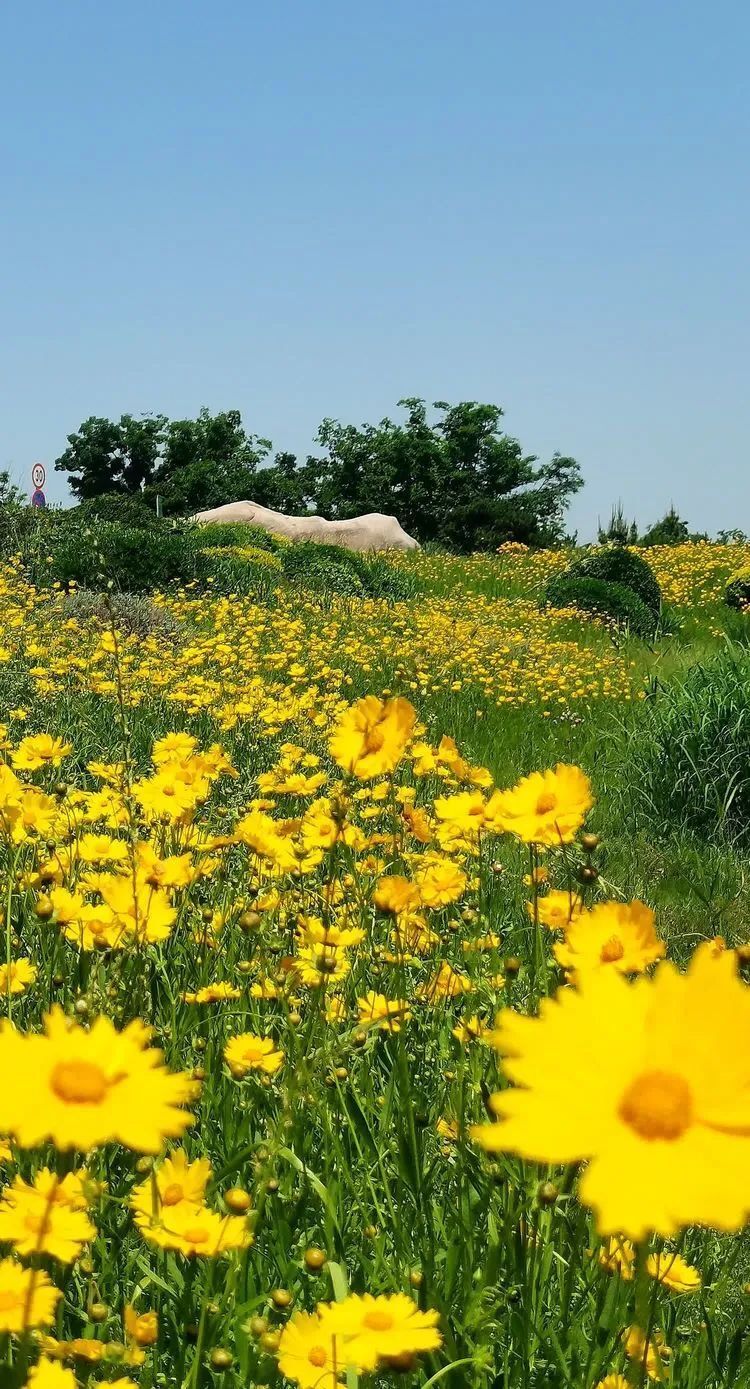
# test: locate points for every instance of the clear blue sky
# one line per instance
(313, 207)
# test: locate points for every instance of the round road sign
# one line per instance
(38, 476)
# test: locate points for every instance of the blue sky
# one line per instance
(313, 207)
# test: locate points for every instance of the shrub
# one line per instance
(126, 510)
(242, 569)
(614, 564)
(132, 613)
(383, 580)
(131, 559)
(214, 535)
(738, 591)
(692, 761)
(607, 599)
(323, 568)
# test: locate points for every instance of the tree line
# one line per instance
(450, 475)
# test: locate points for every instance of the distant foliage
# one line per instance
(613, 600)
(457, 479)
(620, 531)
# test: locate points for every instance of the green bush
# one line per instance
(214, 535)
(124, 509)
(130, 558)
(241, 569)
(692, 761)
(606, 599)
(738, 591)
(323, 568)
(614, 564)
(132, 613)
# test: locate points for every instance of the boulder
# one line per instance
(372, 532)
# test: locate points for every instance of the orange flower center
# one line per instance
(8, 1300)
(197, 1234)
(79, 1082)
(374, 739)
(658, 1104)
(612, 950)
(35, 1223)
(546, 802)
(317, 1356)
(172, 1194)
(378, 1320)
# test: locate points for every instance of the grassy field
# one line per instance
(293, 838)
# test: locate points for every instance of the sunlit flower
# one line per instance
(648, 1082)
(545, 807)
(375, 1010)
(27, 1297)
(16, 977)
(651, 1353)
(615, 935)
(247, 1052)
(384, 1330)
(371, 736)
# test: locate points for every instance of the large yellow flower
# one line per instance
(648, 1082)
(248, 1052)
(615, 935)
(309, 1353)
(81, 1088)
(27, 1297)
(175, 1181)
(371, 737)
(35, 1223)
(195, 1230)
(389, 1329)
(40, 750)
(544, 808)
(50, 1374)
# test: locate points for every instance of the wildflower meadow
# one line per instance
(374, 989)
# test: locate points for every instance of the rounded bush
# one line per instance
(214, 535)
(606, 599)
(125, 509)
(614, 564)
(738, 591)
(323, 568)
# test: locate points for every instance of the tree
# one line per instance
(108, 456)
(10, 494)
(207, 462)
(620, 531)
(671, 530)
(460, 480)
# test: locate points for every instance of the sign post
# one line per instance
(38, 479)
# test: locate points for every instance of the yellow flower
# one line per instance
(617, 1255)
(195, 1230)
(650, 1353)
(674, 1272)
(395, 894)
(618, 935)
(310, 1354)
(319, 965)
(557, 910)
(247, 1052)
(544, 808)
(81, 1088)
(470, 1030)
(385, 1330)
(439, 881)
(40, 750)
(142, 1328)
(375, 1010)
(176, 1180)
(647, 1082)
(16, 977)
(371, 736)
(445, 983)
(34, 1224)
(27, 1297)
(613, 1381)
(213, 993)
(50, 1374)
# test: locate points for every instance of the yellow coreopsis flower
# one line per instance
(141, 1328)
(50, 1374)
(647, 1082)
(372, 736)
(16, 977)
(27, 1297)
(673, 1272)
(176, 1180)
(247, 1052)
(616, 935)
(384, 1330)
(556, 909)
(195, 1230)
(311, 1354)
(35, 1224)
(650, 1352)
(79, 1089)
(543, 808)
(40, 750)
(375, 1010)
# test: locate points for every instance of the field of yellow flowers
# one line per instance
(342, 1037)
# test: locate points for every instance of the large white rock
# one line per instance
(373, 532)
